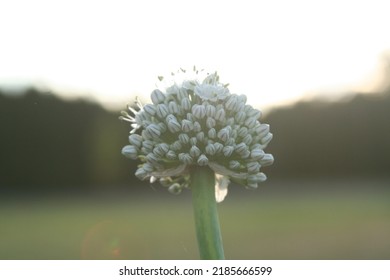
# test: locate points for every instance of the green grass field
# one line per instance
(331, 224)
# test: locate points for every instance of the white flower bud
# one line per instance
(194, 151)
(141, 173)
(256, 146)
(176, 146)
(193, 141)
(220, 115)
(240, 106)
(171, 155)
(154, 130)
(210, 122)
(228, 150)
(148, 145)
(187, 125)
(247, 139)
(158, 151)
(252, 179)
(257, 154)
(210, 111)
(152, 159)
(150, 109)
(185, 158)
(197, 127)
(199, 111)
(254, 113)
(162, 111)
(229, 128)
(231, 102)
(130, 152)
(140, 118)
(247, 108)
(190, 117)
(182, 93)
(218, 147)
(262, 130)
(184, 138)
(230, 142)
(250, 122)
(267, 159)
(240, 117)
(157, 96)
(146, 135)
(261, 177)
(253, 167)
(148, 167)
(233, 164)
(175, 188)
(266, 139)
(230, 121)
(224, 134)
(245, 154)
(161, 149)
(241, 148)
(164, 147)
(203, 160)
(242, 98)
(212, 133)
(219, 107)
(200, 136)
(173, 125)
(210, 149)
(186, 104)
(135, 140)
(173, 108)
(163, 127)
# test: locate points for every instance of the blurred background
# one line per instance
(319, 71)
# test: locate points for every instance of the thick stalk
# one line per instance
(205, 212)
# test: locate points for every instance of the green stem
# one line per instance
(205, 212)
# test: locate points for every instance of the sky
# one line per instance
(275, 52)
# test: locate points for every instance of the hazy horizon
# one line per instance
(273, 52)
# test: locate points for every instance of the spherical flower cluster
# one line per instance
(198, 123)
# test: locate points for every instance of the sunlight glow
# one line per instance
(273, 51)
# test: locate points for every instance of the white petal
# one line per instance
(221, 187)
(153, 179)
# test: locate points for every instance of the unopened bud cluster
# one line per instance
(198, 123)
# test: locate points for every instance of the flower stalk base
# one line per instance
(205, 213)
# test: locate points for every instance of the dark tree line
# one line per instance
(325, 139)
(49, 144)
